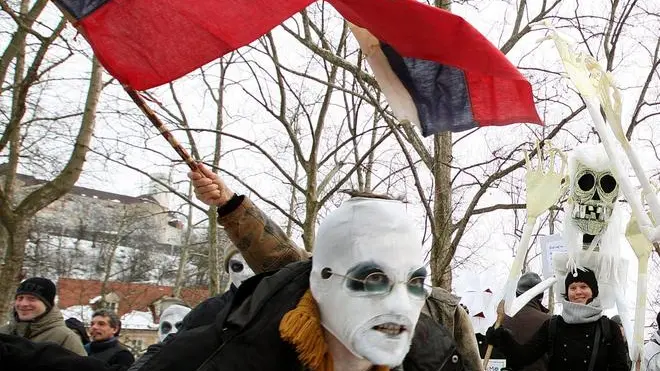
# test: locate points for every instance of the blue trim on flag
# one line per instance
(439, 92)
(80, 8)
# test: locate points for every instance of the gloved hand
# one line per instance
(495, 336)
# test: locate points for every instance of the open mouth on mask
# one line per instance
(592, 211)
(390, 329)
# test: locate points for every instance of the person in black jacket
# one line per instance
(353, 307)
(205, 312)
(104, 332)
(580, 339)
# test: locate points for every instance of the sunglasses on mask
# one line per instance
(379, 283)
(236, 267)
(166, 327)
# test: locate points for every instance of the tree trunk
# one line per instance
(185, 249)
(16, 221)
(441, 251)
(311, 206)
(309, 226)
(11, 273)
(214, 254)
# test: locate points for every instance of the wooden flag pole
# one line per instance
(498, 323)
(183, 153)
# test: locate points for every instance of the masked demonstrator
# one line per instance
(353, 307)
(237, 268)
(171, 320)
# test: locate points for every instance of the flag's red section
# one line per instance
(146, 43)
(499, 94)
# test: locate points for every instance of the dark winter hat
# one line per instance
(228, 256)
(40, 287)
(526, 282)
(585, 275)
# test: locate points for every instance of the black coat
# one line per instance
(572, 348)
(524, 325)
(20, 354)
(111, 352)
(245, 334)
(203, 314)
(249, 338)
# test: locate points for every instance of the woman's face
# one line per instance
(579, 292)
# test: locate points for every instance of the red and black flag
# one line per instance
(434, 68)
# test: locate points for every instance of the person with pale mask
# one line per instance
(580, 339)
(171, 320)
(237, 268)
(353, 307)
(181, 318)
(367, 279)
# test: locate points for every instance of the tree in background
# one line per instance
(27, 65)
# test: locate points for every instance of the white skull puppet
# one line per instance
(368, 278)
(592, 228)
(237, 268)
(170, 320)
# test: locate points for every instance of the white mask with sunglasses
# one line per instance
(368, 278)
(239, 271)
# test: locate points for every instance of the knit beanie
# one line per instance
(585, 275)
(42, 288)
(526, 282)
(228, 256)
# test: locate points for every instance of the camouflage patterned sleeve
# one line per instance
(262, 243)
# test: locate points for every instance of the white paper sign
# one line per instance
(550, 245)
(496, 364)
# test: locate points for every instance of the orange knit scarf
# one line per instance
(301, 327)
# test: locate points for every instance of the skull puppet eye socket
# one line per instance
(607, 183)
(178, 325)
(586, 182)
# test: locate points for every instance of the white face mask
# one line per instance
(239, 271)
(371, 238)
(170, 320)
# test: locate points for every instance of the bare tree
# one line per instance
(31, 64)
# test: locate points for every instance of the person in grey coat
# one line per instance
(36, 318)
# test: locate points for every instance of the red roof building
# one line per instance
(128, 296)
